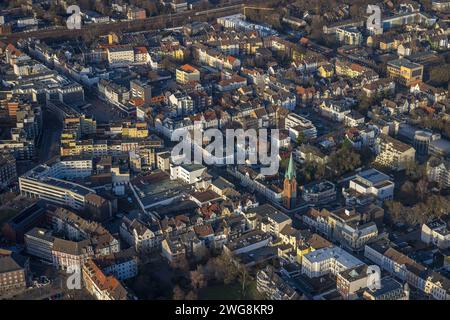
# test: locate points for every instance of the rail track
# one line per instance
(151, 23)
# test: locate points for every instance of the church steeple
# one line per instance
(290, 172)
(290, 186)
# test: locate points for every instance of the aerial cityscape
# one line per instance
(225, 150)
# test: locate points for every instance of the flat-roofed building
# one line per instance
(120, 55)
(39, 243)
(189, 173)
(297, 124)
(405, 72)
(328, 260)
(349, 281)
(439, 148)
(39, 183)
(370, 182)
(317, 193)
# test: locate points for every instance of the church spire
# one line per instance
(290, 172)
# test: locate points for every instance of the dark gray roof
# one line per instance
(11, 263)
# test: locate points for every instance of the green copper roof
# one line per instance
(290, 172)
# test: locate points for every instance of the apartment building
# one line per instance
(140, 236)
(101, 286)
(272, 220)
(215, 59)
(394, 154)
(440, 5)
(319, 193)
(297, 125)
(141, 90)
(436, 233)
(438, 170)
(349, 35)
(39, 243)
(406, 269)
(328, 260)
(14, 272)
(120, 55)
(349, 281)
(22, 150)
(187, 73)
(181, 103)
(122, 265)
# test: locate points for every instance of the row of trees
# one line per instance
(434, 206)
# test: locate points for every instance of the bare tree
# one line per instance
(198, 279)
(421, 189)
(178, 293)
(192, 295)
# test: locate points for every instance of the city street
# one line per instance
(49, 142)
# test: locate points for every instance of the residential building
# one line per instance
(438, 170)
(187, 73)
(437, 233)
(328, 260)
(120, 55)
(319, 193)
(394, 154)
(350, 281)
(101, 286)
(14, 272)
(140, 236)
(349, 35)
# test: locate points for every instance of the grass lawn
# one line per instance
(229, 292)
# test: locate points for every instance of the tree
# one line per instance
(414, 170)
(440, 74)
(395, 210)
(178, 293)
(421, 189)
(181, 264)
(222, 269)
(344, 160)
(407, 191)
(300, 138)
(192, 295)
(198, 279)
